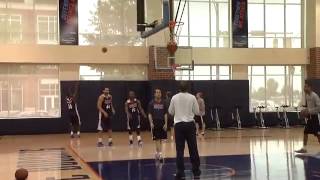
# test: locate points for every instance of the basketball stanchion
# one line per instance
(285, 117)
(262, 122)
(215, 117)
(237, 117)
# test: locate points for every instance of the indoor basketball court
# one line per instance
(100, 89)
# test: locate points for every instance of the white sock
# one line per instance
(71, 133)
(78, 132)
(130, 137)
(110, 139)
(100, 140)
(139, 138)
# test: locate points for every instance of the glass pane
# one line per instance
(293, 43)
(275, 20)
(224, 70)
(201, 78)
(293, 1)
(199, 19)
(224, 77)
(200, 41)
(99, 23)
(274, 43)
(293, 20)
(223, 19)
(224, 42)
(256, 42)
(297, 91)
(214, 42)
(213, 70)
(275, 91)
(275, 70)
(258, 70)
(274, 1)
(183, 41)
(201, 70)
(256, 20)
(214, 20)
(255, 1)
(257, 91)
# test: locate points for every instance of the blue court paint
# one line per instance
(236, 167)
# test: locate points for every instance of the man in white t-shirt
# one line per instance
(184, 107)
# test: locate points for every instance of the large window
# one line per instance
(206, 23)
(204, 72)
(29, 91)
(275, 23)
(111, 22)
(274, 86)
(28, 21)
(47, 29)
(113, 72)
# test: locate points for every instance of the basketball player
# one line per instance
(311, 112)
(170, 118)
(133, 110)
(199, 119)
(73, 113)
(158, 118)
(106, 112)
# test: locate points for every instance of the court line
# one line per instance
(84, 162)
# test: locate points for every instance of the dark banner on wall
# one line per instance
(68, 20)
(240, 23)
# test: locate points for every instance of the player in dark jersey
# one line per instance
(73, 114)
(158, 118)
(170, 118)
(106, 112)
(133, 110)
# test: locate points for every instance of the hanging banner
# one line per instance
(68, 21)
(239, 24)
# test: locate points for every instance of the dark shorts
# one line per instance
(134, 123)
(74, 119)
(312, 126)
(104, 123)
(158, 133)
(198, 121)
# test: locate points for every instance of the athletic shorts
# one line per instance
(134, 123)
(158, 133)
(312, 126)
(74, 119)
(104, 123)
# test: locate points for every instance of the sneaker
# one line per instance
(100, 144)
(301, 151)
(130, 142)
(72, 136)
(110, 143)
(202, 133)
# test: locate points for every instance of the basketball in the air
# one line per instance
(21, 174)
